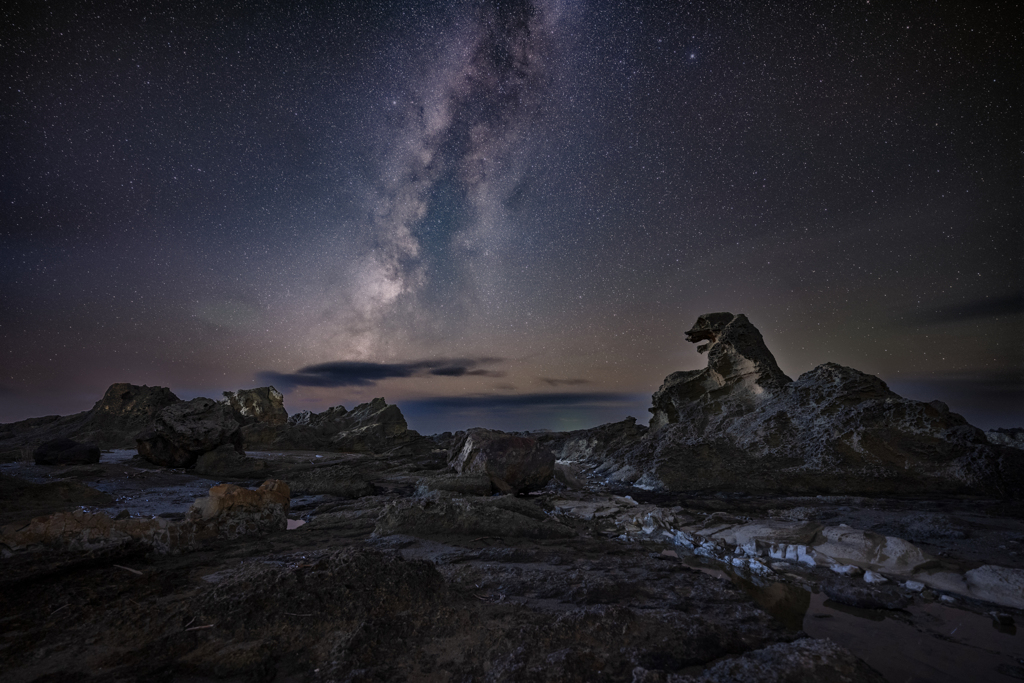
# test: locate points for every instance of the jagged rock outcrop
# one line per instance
(1012, 437)
(515, 464)
(741, 424)
(125, 410)
(263, 405)
(182, 432)
(373, 427)
(582, 444)
(113, 422)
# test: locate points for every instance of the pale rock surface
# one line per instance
(1001, 585)
(868, 550)
(1012, 437)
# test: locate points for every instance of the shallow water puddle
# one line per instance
(925, 643)
(936, 644)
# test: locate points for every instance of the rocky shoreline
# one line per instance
(761, 529)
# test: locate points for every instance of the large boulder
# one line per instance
(124, 411)
(515, 464)
(66, 452)
(184, 431)
(263, 405)
(742, 424)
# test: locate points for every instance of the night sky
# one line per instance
(506, 214)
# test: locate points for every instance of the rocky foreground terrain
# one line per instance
(762, 529)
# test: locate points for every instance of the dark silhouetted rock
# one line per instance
(373, 427)
(124, 411)
(262, 405)
(113, 422)
(184, 431)
(66, 452)
(515, 464)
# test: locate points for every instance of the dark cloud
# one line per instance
(989, 307)
(361, 374)
(526, 400)
(556, 382)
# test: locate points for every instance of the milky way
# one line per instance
(506, 213)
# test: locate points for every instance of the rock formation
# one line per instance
(113, 422)
(373, 427)
(124, 410)
(1012, 437)
(741, 373)
(264, 405)
(514, 464)
(741, 424)
(182, 432)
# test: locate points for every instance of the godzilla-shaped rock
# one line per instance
(184, 431)
(741, 424)
(264, 405)
(515, 464)
(741, 374)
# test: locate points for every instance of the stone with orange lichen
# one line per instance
(228, 512)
